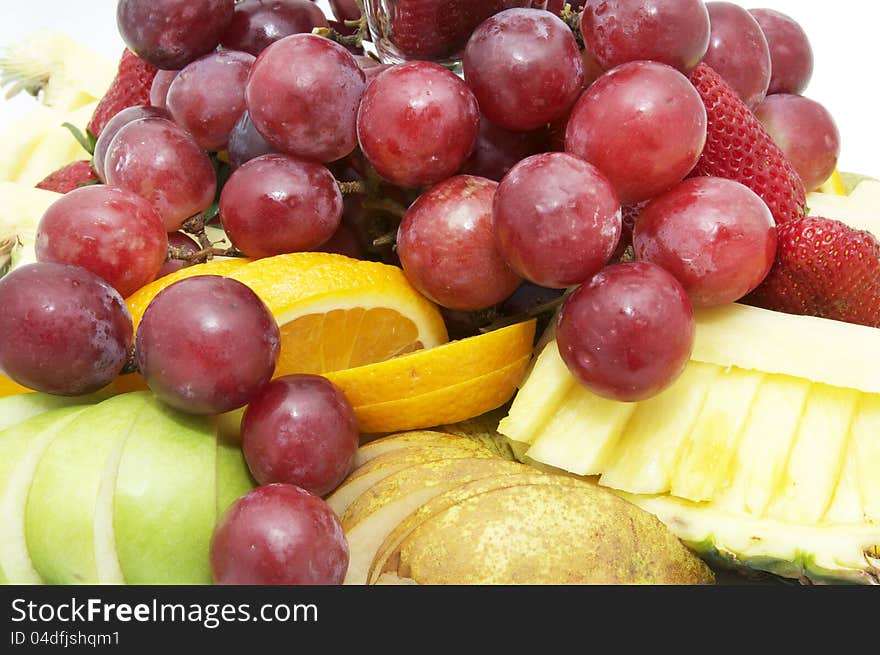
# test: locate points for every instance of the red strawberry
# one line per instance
(824, 268)
(739, 148)
(70, 177)
(131, 87)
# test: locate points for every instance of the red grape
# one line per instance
(673, 32)
(245, 143)
(159, 161)
(303, 96)
(643, 125)
(207, 97)
(806, 133)
(370, 66)
(524, 67)
(183, 242)
(207, 345)
(64, 330)
(279, 535)
(738, 51)
(301, 430)
(159, 89)
(344, 242)
(447, 246)
(715, 236)
(628, 333)
(112, 232)
(169, 34)
(345, 10)
(111, 129)
(417, 124)
(791, 55)
(498, 150)
(276, 204)
(557, 219)
(257, 24)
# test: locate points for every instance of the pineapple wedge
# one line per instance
(764, 454)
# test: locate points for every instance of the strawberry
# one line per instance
(824, 268)
(131, 87)
(70, 177)
(739, 148)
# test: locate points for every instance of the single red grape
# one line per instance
(163, 164)
(714, 235)
(344, 242)
(417, 124)
(738, 51)
(111, 129)
(279, 535)
(300, 429)
(498, 150)
(806, 133)
(207, 97)
(557, 219)
(628, 333)
(303, 96)
(257, 24)
(169, 34)
(112, 232)
(524, 67)
(182, 242)
(791, 55)
(207, 345)
(65, 331)
(673, 32)
(643, 125)
(277, 204)
(447, 246)
(345, 10)
(245, 143)
(159, 89)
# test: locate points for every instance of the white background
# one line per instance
(843, 33)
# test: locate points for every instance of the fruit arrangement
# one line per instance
(435, 292)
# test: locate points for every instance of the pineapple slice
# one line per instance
(583, 432)
(765, 443)
(865, 434)
(704, 467)
(846, 506)
(539, 398)
(644, 459)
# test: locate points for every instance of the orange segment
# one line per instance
(442, 385)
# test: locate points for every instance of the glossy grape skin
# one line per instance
(64, 330)
(447, 246)
(319, 78)
(183, 242)
(257, 24)
(557, 220)
(806, 133)
(791, 55)
(159, 161)
(628, 333)
(111, 129)
(207, 97)
(279, 535)
(714, 235)
(207, 345)
(738, 51)
(417, 124)
(169, 34)
(498, 150)
(277, 204)
(672, 32)
(245, 142)
(159, 89)
(524, 67)
(112, 232)
(300, 429)
(643, 125)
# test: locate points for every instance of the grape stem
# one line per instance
(573, 19)
(355, 40)
(534, 312)
(357, 187)
(386, 205)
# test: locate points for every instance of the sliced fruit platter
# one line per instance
(435, 292)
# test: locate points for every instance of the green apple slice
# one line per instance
(233, 477)
(20, 407)
(165, 502)
(21, 448)
(69, 514)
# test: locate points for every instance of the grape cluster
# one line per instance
(554, 167)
